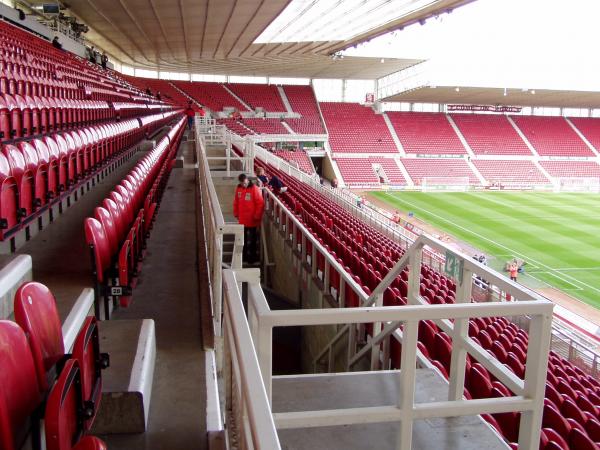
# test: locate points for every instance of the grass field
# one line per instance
(557, 234)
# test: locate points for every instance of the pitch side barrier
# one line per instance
(244, 359)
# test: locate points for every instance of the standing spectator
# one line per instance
(513, 269)
(158, 97)
(248, 207)
(92, 54)
(104, 60)
(56, 43)
(396, 217)
(148, 91)
(334, 183)
(190, 113)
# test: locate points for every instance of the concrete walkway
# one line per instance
(167, 292)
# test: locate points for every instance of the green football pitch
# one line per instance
(558, 235)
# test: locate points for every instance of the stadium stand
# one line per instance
(236, 126)
(426, 133)
(356, 129)
(520, 172)
(357, 171)
(418, 168)
(259, 95)
(551, 136)
(490, 135)
(211, 95)
(303, 101)
(164, 87)
(265, 126)
(361, 171)
(304, 125)
(589, 127)
(569, 168)
(297, 157)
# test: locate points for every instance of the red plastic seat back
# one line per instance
(19, 387)
(90, 443)
(110, 228)
(63, 418)
(96, 237)
(36, 313)
(86, 350)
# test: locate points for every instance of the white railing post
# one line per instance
(458, 358)
(540, 332)
(414, 274)
(375, 353)
(406, 386)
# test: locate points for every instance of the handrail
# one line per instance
(254, 401)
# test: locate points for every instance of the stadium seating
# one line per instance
(356, 129)
(265, 126)
(36, 313)
(426, 133)
(297, 158)
(259, 95)
(236, 126)
(357, 171)
(589, 127)
(306, 125)
(552, 136)
(566, 169)
(42, 171)
(302, 100)
(419, 168)
(164, 87)
(117, 233)
(490, 135)
(520, 172)
(211, 95)
(360, 171)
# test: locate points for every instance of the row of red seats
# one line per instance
(368, 255)
(117, 233)
(39, 380)
(22, 117)
(36, 173)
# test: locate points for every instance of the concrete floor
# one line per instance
(167, 292)
(368, 389)
(61, 259)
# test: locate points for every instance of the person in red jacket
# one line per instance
(190, 113)
(248, 207)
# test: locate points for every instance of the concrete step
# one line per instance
(127, 383)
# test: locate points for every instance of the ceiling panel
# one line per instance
(216, 36)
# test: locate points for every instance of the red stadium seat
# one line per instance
(36, 313)
(19, 391)
(90, 443)
(580, 440)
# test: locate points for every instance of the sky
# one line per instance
(543, 44)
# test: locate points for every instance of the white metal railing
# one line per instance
(215, 227)
(529, 392)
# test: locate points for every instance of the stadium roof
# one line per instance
(496, 96)
(220, 36)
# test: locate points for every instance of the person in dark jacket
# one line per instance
(248, 208)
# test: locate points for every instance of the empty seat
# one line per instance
(20, 395)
